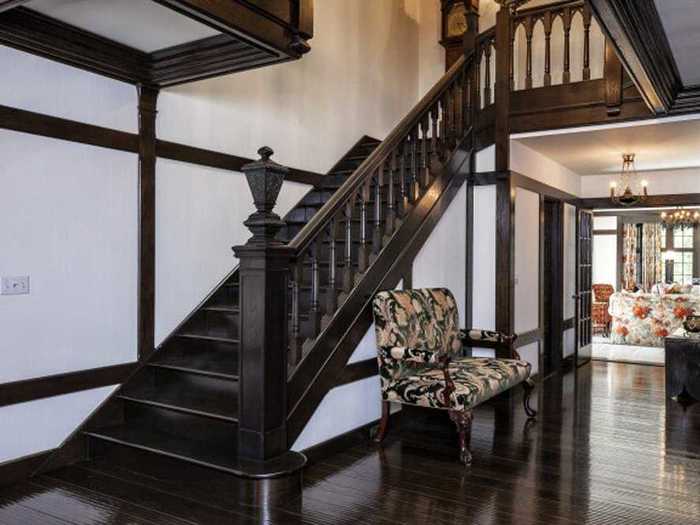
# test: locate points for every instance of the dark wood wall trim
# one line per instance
(146, 290)
(527, 338)
(605, 232)
(224, 161)
(568, 324)
(676, 199)
(17, 470)
(60, 384)
(358, 370)
(522, 181)
(23, 121)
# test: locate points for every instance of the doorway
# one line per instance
(552, 285)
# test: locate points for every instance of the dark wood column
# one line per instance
(148, 97)
(505, 244)
(613, 80)
(502, 88)
(264, 276)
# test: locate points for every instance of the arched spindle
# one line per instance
(529, 26)
(547, 23)
(377, 230)
(331, 294)
(566, 17)
(586, 41)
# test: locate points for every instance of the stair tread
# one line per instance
(219, 456)
(192, 335)
(222, 405)
(205, 362)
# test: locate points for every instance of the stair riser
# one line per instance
(183, 344)
(214, 323)
(183, 425)
(224, 296)
(221, 488)
(223, 391)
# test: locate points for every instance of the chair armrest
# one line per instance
(486, 338)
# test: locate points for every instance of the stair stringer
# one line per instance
(319, 371)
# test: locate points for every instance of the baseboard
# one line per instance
(343, 441)
(20, 469)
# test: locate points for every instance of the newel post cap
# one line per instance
(265, 178)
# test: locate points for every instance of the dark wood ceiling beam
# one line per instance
(41, 35)
(6, 5)
(238, 19)
(637, 33)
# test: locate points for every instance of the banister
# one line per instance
(319, 221)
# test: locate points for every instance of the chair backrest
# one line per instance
(424, 318)
(602, 292)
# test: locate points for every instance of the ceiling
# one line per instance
(659, 144)
(681, 21)
(141, 24)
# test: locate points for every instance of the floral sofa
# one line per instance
(419, 347)
(646, 319)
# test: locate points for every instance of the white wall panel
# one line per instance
(527, 269)
(484, 245)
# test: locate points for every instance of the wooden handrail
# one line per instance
(320, 220)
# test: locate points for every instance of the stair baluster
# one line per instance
(348, 275)
(331, 296)
(377, 232)
(414, 186)
(403, 149)
(315, 306)
(363, 256)
(424, 165)
(295, 338)
(390, 197)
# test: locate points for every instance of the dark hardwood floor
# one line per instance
(607, 449)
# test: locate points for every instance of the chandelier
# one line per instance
(627, 190)
(681, 218)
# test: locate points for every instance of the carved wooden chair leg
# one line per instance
(528, 386)
(463, 421)
(383, 423)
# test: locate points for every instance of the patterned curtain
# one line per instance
(629, 257)
(652, 263)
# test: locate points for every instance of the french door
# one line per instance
(584, 289)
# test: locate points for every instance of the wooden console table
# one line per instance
(682, 367)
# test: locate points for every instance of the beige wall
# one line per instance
(363, 74)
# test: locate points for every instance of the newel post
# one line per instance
(263, 275)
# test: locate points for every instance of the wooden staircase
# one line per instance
(223, 399)
(182, 405)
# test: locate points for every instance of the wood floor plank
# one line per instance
(607, 449)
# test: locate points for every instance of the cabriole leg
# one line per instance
(383, 424)
(528, 386)
(463, 421)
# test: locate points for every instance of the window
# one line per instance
(680, 241)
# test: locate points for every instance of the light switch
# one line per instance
(15, 285)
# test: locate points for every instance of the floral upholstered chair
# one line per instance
(599, 309)
(421, 361)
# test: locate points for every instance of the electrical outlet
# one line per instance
(15, 285)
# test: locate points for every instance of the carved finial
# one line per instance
(265, 153)
(265, 179)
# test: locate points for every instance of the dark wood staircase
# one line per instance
(182, 405)
(223, 399)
